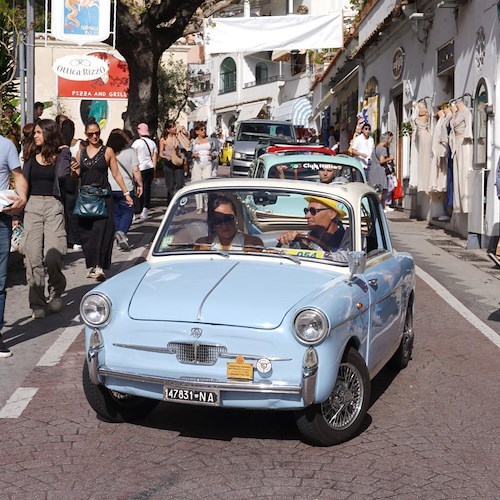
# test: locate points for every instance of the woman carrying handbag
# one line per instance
(98, 232)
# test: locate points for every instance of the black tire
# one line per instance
(112, 406)
(402, 356)
(325, 424)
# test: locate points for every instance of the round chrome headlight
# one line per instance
(238, 156)
(311, 326)
(95, 309)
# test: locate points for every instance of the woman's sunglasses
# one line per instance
(90, 134)
(223, 219)
(313, 210)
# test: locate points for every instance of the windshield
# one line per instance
(256, 131)
(283, 223)
(312, 170)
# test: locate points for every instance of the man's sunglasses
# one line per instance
(223, 219)
(90, 134)
(313, 210)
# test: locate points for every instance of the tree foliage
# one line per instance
(174, 89)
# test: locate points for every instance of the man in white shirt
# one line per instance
(147, 154)
(363, 146)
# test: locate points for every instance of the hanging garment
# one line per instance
(461, 152)
(423, 142)
(440, 146)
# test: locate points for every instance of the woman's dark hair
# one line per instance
(168, 124)
(52, 141)
(68, 131)
(128, 134)
(60, 119)
(117, 141)
(223, 200)
(91, 121)
(199, 125)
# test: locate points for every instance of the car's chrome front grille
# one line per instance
(196, 353)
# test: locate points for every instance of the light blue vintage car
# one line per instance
(242, 308)
(295, 165)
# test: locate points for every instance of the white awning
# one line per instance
(297, 111)
(291, 32)
(251, 110)
(198, 115)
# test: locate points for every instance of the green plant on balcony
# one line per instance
(406, 129)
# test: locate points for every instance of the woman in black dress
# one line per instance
(97, 234)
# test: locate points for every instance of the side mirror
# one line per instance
(356, 262)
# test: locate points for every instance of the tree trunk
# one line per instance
(142, 37)
(143, 89)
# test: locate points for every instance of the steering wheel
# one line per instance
(304, 241)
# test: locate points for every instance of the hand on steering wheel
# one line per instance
(304, 240)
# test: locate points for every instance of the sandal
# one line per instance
(495, 258)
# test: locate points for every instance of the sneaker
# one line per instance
(99, 274)
(388, 209)
(38, 314)
(144, 214)
(199, 210)
(122, 240)
(4, 351)
(77, 248)
(55, 305)
(91, 273)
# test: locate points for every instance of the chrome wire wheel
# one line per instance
(344, 405)
(408, 334)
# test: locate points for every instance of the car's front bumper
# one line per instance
(251, 394)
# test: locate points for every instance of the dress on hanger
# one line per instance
(461, 152)
(437, 177)
(423, 142)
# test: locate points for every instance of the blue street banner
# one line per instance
(81, 21)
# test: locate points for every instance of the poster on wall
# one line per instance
(81, 21)
(111, 85)
(372, 113)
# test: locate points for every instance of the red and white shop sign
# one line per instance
(110, 86)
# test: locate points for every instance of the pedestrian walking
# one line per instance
(44, 245)
(203, 153)
(185, 147)
(380, 159)
(363, 145)
(128, 165)
(147, 153)
(9, 165)
(97, 233)
(173, 163)
(70, 185)
(495, 255)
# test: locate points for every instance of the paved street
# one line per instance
(431, 432)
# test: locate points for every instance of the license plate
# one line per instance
(191, 396)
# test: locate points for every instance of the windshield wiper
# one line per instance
(207, 247)
(272, 250)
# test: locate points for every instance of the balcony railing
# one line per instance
(270, 79)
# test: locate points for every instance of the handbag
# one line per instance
(175, 159)
(397, 194)
(90, 202)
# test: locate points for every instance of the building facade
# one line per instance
(412, 59)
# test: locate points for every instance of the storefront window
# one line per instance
(480, 125)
